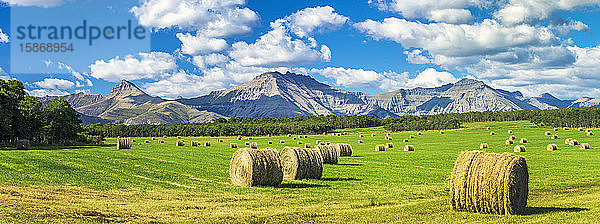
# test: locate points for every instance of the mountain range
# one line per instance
(286, 95)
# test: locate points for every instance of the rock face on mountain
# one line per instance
(285, 95)
(128, 104)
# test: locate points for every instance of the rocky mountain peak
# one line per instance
(469, 82)
(125, 89)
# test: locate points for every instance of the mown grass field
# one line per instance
(164, 183)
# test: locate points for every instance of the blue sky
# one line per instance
(373, 46)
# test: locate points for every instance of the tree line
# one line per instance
(24, 117)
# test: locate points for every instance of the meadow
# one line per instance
(163, 183)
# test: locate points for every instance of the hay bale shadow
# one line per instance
(349, 164)
(546, 210)
(340, 179)
(300, 185)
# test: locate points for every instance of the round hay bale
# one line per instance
(255, 167)
(573, 142)
(140, 143)
(247, 143)
(345, 149)
(419, 133)
(568, 141)
(565, 128)
(389, 145)
(318, 142)
(270, 142)
(124, 143)
(386, 137)
(552, 147)
(328, 143)
(510, 131)
(294, 138)
(489, 183)
(508, 142)
(405, 140)
(301, 163)
(26, 144)
(299, 142)
(408, 148)
(161, 141)
(411, 136)
(164, 136)
(554, 137)
(281, 141)
(133, 140)
(555, 129)
(520, 148)
(239, 138)
(339, 134)
(372, 135)
(289, 135)
(178, 137)
(330, 153)
(584, 146)
(179, 143)
(233, 145)
(441, 132)
(512, 137)
(194, 143)
(387, 134)
(589, 133)
(492, 133)
(220, 140)
(579, 129)
(307, 145)
(360, 141)
(206, 144)
(483, 146)
(249, 138)
(299, 136)
(547, 133)
(254, 145)
(390, 139)
(379, 148)
(488, 128)
(306, 136)
(361, 136)
(523, 140)
(153, 138)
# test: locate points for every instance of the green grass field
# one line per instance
(164, 183)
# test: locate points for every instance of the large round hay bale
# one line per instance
(508, 142)
(379, 148)
(124, 143)
(489, 183)
(330, 153)
(328, 143)
(584, 146)
(552, 147)
(523, 140)
(301, 163)
(254, 145)
(178, 137)
(573, 142)
(483, 146)
(409, 148)
(520, 148)
(255, 167)
(345, 149)
(233, 145)
(294, 138)
(306, 136)
(389, 145)
(26, 144)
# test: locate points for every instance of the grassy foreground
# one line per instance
(164, 183)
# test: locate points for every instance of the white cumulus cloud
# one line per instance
(46, 92)
(309, 20)
(52, 83)
(534, 11)
(143, 66)
(214, 18)
(446, 11)
(3, 37)
(199, 44)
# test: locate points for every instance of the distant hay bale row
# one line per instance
(26, 144)
(124, 143)
(330, 153)
(409, 148)
(520, 148)
(379, 148)
(301, 163)
(552, 147)
(256, 167)
(483, 146)
(489, 183)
